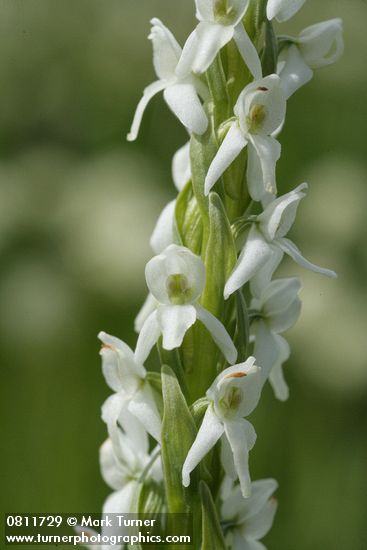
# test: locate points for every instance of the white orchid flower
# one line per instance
(176, 279)
(267, 237)
(219, 22)
(278, 307)
(278, 304)
(233, 395)
(317, 46)
(122, 466)
(126, 376)
(246, 521)
(293, 70)
(180, 93)
(260, 111)
(283, 9)
(121, 476)
(125, 454)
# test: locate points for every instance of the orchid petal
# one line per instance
(265, 274)
(162, 235)
(131, 430)
(120, 501)
(294, 72)
(271, 351)
(204, 10)
(122, 425)
(144, 408)
(219, 334)
(242, 437)
(181, 168)
(230, 148)
(259, 524)
(184, 102)
(211, 38)
(111, 410)
(263, 154)
(113, 473)
(276, 377)
(149, 92)
(202, 46)
(278, 217)
(265, 349)
(175, 321)
(226, 457)
(291, 249)
(118, 365)
(261, 491)
(322, 44)
(283, 320)
(239, 8)
(210, 431)
(283, 9)
(279, 303)
(255, 178)
(147, 308)
(184, 66)
(148, 336)
(247, 51)
(234, 505)
(166, 50)
(255, 254)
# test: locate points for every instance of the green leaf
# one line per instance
(269, 56)
(173, 360)
(202, 151)
(220, 256)
(150, 498)
(217, 85)
(212, 535)
(243, 327)
(148, 501)
(254, 18)
(178, 434)
(189, 225)
(198, 409)
(155, 380)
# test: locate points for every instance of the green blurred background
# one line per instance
(77, 205)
